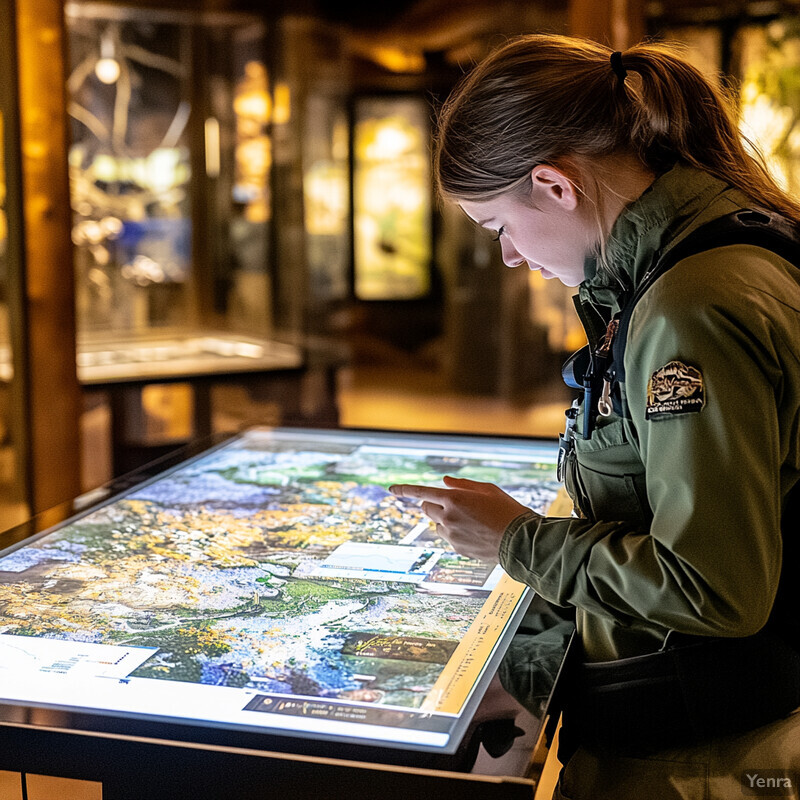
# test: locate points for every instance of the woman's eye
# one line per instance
(499, 234)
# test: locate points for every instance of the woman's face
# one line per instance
(550, 234)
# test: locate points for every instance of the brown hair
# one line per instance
(544, 99)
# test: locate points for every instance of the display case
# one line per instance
(269, 607)
(173, 116)
(169, 170)
(756, 54)
(769, 60)
(326, 195)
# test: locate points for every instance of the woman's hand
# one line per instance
(471, 515)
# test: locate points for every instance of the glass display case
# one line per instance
(169, 172)
(760, 58)
(172, 116)
(326, 196)
(130, 171)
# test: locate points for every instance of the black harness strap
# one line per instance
(757, 227)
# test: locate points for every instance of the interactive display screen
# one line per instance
(273, 584)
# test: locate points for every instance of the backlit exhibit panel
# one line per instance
(392, 198)
(273, 584)
(769, 57)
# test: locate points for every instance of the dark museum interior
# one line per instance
(218, 216)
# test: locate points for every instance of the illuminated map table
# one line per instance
(267, 602)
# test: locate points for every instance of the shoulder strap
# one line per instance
(755, 226)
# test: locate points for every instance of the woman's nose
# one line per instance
(511, 258)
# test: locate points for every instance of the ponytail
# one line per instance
(677, 114)
(541, 99)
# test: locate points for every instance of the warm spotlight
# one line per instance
(107, 70)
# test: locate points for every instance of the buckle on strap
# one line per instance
(565, 440)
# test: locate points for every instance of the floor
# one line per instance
(387, 398)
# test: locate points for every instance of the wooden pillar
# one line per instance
(54, 397)
(291, 39)
(14, 485)
(617, 23)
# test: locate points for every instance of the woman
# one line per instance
(590, 167)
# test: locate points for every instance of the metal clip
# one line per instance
(565, 440)
(604, 407)
(597, 366)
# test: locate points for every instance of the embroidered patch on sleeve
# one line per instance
(676, 388)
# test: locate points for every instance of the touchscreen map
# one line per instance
(274, 583)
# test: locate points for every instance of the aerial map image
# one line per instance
(278, 567)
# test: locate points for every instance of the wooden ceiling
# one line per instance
(368, 14)
(458, 31)
(714, 10)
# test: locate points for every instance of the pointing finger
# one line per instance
(464, 483)
(415, 492)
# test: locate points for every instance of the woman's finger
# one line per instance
(416, 492)
(464, 483)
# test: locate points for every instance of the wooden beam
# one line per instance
(49, 291)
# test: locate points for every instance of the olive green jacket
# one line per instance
(679, 524)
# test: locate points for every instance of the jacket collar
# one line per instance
(674, 204)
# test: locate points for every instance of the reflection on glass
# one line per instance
(253, 108)
(770, 95)
(169, 169)
(392, 199)
(247, 301)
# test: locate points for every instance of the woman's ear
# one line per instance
(550, 185)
